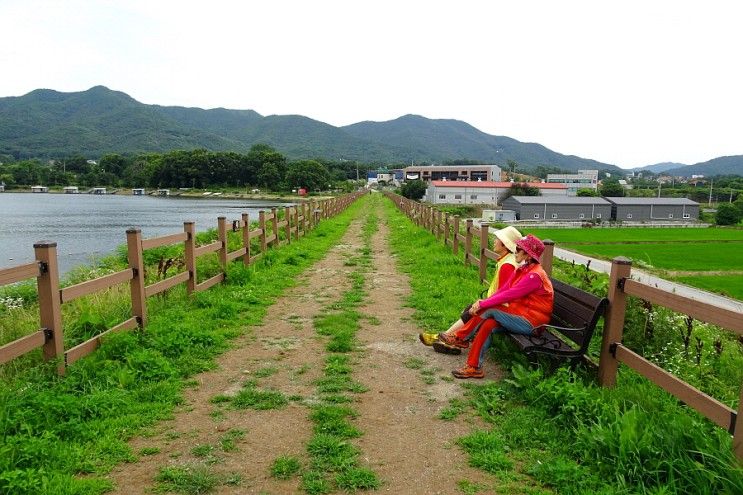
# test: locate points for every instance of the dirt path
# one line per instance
(411, 451)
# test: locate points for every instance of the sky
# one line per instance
(630, 83)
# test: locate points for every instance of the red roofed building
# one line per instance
(483, 192)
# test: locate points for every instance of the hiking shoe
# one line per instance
(468, 371)
(428, 338)
(453, 341)
(446, 349)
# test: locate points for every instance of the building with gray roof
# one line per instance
(559, 208)
(653, 209)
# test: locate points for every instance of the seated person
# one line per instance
(522, 304)
(504, 247)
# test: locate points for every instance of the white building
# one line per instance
(482, 192)
(70, 190)
(584, 179)
(39, 189)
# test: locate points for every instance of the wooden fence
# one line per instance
(613, 352)
(296, 222)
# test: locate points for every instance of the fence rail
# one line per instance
(296, 221)
(613, 352)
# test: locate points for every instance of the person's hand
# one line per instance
(475, 308)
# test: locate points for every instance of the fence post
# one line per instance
(467, 242)
(262, 225)
(738, 435)
(614, 320)
(446, 229)
(246, 238)
(222, 233)
(438, 224)
(455, 235)
(483, 246)
(275, 227)
(296, 222)
(549, 251)
(137, 283)
(288, 226)
(50, 303)
(190, 256)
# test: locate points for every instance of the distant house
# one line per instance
(163, 192)
(584, 179)
(498, 215)
(138, 192)
(99, 190)
(482, 192)
(653, 209)
(39, 189)
(70, 190)
(384, 176)
(555, 208)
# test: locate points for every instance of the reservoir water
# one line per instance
(86, 227)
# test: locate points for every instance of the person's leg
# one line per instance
(481, 343)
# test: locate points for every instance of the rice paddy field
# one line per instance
(708, 258)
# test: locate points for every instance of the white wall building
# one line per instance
(482, 192)
(584, 179)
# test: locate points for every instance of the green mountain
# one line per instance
(724, 165)
(423, 139)
(47, 123)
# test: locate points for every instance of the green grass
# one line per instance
(285, 467)
(629, 234)
(728, 285)
(189, 480)
(687, 256)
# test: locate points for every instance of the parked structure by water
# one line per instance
(71, 190)
(39, 189)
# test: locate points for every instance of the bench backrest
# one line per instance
(578, 310)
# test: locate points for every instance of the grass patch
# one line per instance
(285, 467)
(189, 480)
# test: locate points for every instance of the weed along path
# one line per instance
(331, 394)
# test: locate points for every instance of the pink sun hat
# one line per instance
(531, 246)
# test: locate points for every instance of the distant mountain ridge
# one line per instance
(48, 123)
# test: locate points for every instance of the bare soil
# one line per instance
(411, 450)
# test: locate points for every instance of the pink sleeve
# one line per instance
(525, 286)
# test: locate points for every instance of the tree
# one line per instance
(611, 189)
(523, 189)
(414, 189)
(512, 166)
(727, 214)
(308, 174)
(586, 192)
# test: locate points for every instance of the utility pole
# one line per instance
(711, 181)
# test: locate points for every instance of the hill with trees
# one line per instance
(50, 124)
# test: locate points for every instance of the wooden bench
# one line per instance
(569, 332)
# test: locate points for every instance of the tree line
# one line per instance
(262, 167)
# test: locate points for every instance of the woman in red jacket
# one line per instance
(523, 303)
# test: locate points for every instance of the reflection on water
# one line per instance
(89, 226)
